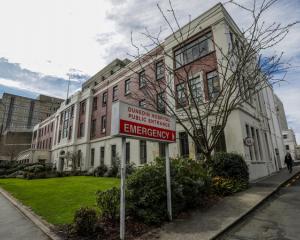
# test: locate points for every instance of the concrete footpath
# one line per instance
(15, 226)
(211, 223)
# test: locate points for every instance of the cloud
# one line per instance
(117, 2)
(14, 76)
(105, 38)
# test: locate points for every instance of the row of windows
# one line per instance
(196, 89)
(65, 118)
(48, 128)
(93, 126)
(184, 143)
(255, 150)
(127, 86)
(45, 144)
(194, 50)
(114, 155)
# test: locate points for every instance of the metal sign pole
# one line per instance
(168, 181)
(122, 196)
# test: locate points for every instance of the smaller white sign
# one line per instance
(249, 141)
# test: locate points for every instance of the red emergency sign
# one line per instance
(146, 131)
(133, 121)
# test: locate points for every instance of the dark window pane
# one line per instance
(127, 152)
(162, 149)
(142, 79)
(92, 156)
(221, 143)
(184, 144)
(143, 151)
(113, 155)
(102, 155)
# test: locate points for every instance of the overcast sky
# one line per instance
(43, 42)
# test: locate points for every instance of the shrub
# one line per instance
(229, 165)
(130, 168)
(35, 168)
(109, 203)
(225, 186)
(112, 171)
(147, 189)
(100, 171)
(84, 221)
(189, 181)
(146, 196)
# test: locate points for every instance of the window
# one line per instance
(70, 132)
(162, 149)
(61, 117)
(50, 143)
(250, 147)
(102, 155)
(143, 151)
(194, 50)
(95, 99)
(59, 136)
(142, 103)
(103, 124)
(287, 147)
(82, 107)
(93, 128)
(92, 157)
(213, 84)
(72, 111)
(79, 158)
(127, 86)
(199, 135)
(159, 70)
(142, 79)
(65, 124)
(127, 156)
(181, 99)
(160, 102)
(255, 143)
(113, 154)
(81, 129)
(196, 91)
(285, 136)
(52, 127)
(184, 144)
(259, 144)
(221, 143)
(115, 93)
(104, 99)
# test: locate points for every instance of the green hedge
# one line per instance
(229, 165)
(146, 189)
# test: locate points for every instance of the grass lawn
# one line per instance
(56, 199)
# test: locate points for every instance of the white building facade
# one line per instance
(82, 123)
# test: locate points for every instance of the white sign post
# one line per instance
(168, 183)
(122, 197)
(136, 122)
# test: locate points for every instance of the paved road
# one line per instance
(277, 219)
(15, 226)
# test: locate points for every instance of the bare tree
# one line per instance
(243, 70)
